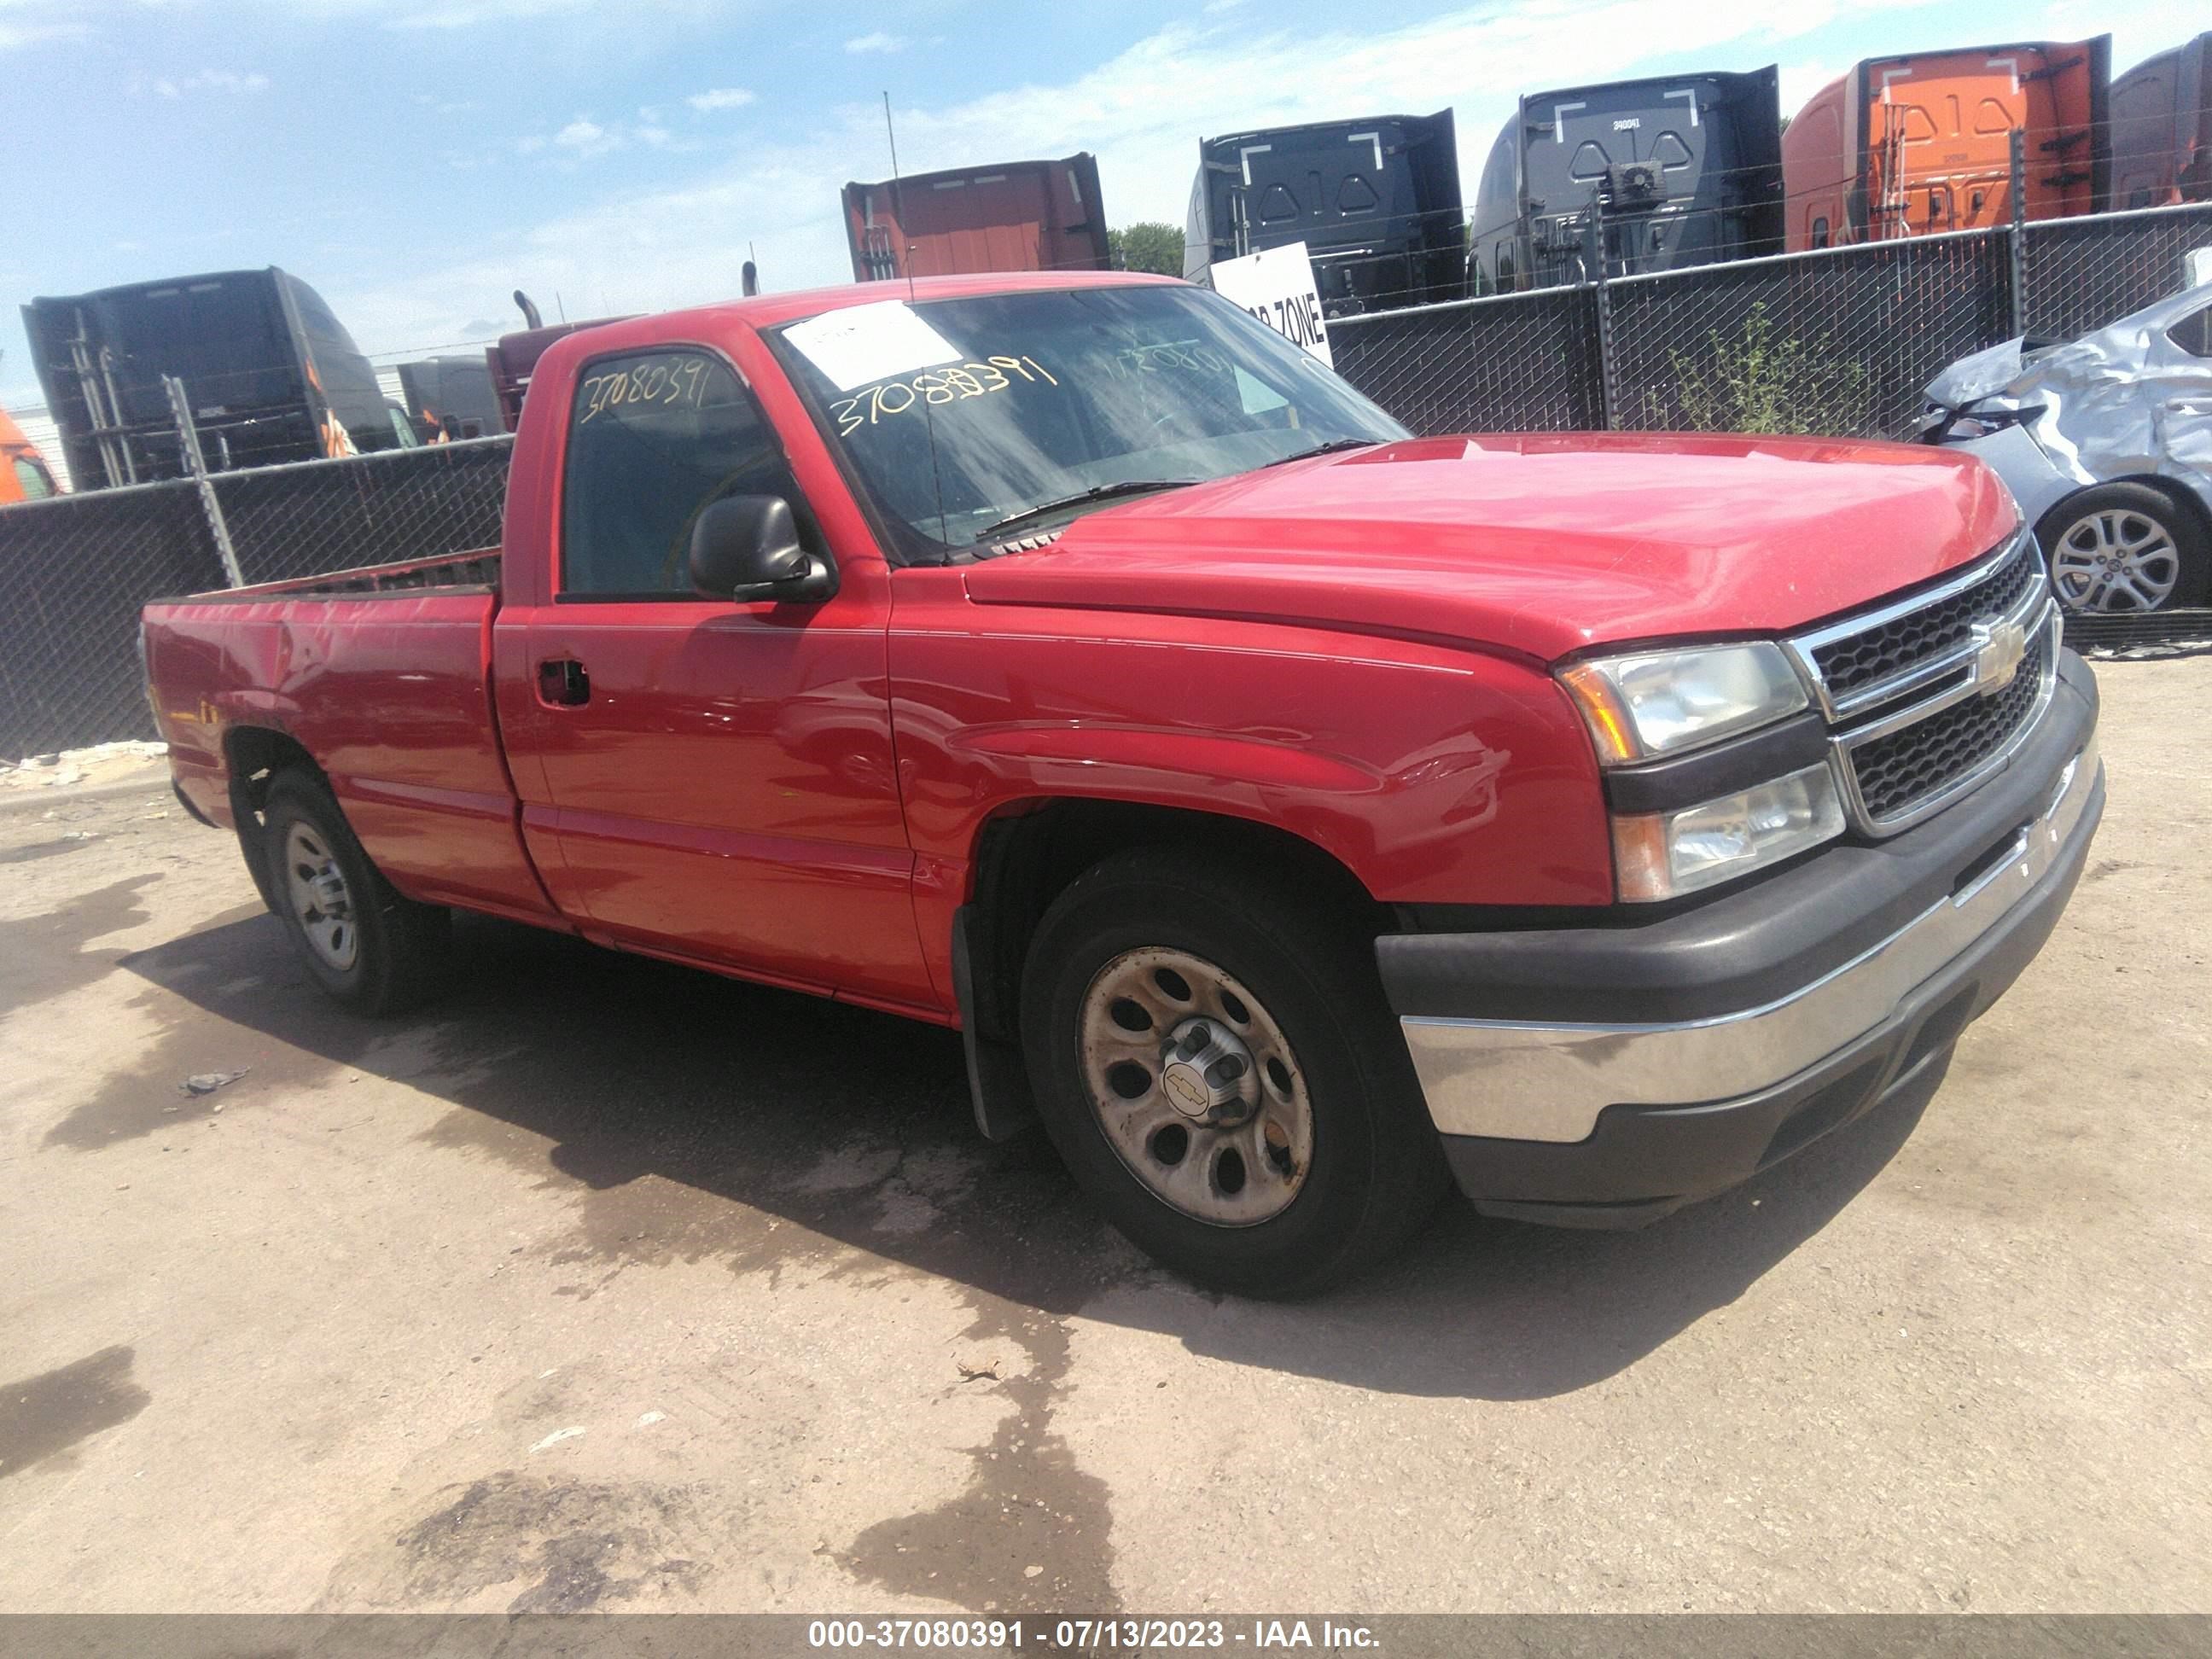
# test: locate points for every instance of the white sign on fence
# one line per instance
(2196, 264)
(1277, 286)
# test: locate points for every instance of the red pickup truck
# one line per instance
(1293, 814)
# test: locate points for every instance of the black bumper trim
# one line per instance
(1642, 1161)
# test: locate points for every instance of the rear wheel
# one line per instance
(2124, 548)
(1212, 1054)
(367, 945)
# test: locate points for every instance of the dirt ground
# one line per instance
(609, 1285)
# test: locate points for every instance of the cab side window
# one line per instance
(1820, 232)
(31, 479)
(655, 437)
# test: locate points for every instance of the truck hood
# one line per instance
(1539, 545)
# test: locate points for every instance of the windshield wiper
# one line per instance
(1329, 448)
(1082, 498)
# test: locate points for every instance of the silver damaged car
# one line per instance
(2106, 444)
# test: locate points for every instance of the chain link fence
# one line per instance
(74, 570)
(1523, 362)
(2080, 274)
(314, 517)
(1838, 340)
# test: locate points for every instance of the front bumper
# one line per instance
(1604, 1076)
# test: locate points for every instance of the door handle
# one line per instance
(562, 682)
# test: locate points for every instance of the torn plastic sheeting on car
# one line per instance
(2125, 401)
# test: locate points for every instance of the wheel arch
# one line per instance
(2186, 501)
(1029, 851)
(254, 757)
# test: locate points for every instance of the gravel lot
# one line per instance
(608, 1286)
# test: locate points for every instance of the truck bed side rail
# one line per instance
(473, 569)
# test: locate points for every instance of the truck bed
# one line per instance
(381, 676)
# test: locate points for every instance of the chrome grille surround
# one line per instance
(1934, 666)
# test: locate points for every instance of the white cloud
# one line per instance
(861, 44)
(719, 98)
(585, 138)
(1801, 81)
(229, 81)
(15, 36)
(2139, 29)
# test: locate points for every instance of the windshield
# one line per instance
(957, 415)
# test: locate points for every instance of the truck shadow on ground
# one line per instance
(698, 1118)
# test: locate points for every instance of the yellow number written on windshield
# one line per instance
(939, 386)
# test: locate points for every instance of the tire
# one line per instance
(1314, 1180)
(370, 949)
(2126, 548)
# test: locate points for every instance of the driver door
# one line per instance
(720, 774)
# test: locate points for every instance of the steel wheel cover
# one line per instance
(1195, 1087)
(316, 889)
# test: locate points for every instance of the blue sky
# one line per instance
(418, 160)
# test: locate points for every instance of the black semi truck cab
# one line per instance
(1376, 201)
(1646, 175)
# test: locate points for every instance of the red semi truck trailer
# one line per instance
(1021, 215)
(1295, 816)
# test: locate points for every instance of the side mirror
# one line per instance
(746, 547)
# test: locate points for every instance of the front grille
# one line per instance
(1909, 766)
(1912, 721)
(1858, 660)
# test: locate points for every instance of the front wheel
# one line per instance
(1213, 1056)
(2123, 548)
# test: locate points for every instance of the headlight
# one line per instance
(1662, 855)
(1661, 703)
(1965, 427)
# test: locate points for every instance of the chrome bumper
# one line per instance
(1549, 1082)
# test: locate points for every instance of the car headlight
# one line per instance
(1969, 424)
(1662, 856)
(1655, 704)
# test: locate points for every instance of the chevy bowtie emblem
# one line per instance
(1998, 649)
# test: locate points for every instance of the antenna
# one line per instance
(898, 198)
(898, 212)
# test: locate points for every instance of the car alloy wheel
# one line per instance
(2115, 560)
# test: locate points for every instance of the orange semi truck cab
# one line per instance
(1914, 145)
(24, 474)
